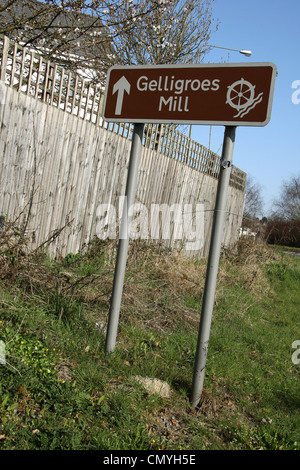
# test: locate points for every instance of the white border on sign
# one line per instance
(198, 122)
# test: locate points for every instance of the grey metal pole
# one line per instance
(212, 265)
(115, 305)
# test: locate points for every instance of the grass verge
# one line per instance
(60, 391)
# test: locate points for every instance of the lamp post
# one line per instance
(241, 51)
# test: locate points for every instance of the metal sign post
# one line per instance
(120, 267)
(213, 265)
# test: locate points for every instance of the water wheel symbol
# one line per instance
(240, 95)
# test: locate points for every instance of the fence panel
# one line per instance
(58, 153)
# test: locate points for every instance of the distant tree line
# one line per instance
(283, 232)
(282, 226)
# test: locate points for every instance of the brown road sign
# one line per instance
(218, 94)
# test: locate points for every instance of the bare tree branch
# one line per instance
(92, 35)
(253, 201)
(287, 206)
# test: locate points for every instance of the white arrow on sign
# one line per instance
(120, 86)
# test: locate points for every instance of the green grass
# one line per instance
(60, 391)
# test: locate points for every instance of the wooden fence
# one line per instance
(58, 153)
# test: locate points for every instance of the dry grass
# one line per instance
(159, 288)
(249, 257)
(162, 290)
(155, 292)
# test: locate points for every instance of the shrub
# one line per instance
(282, 232)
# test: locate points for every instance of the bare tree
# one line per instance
(92, 35)
(80, 33)
(287, 206)
(177, 32)
(253, 202)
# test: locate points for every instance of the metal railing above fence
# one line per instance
(28, 72)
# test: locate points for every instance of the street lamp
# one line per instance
(241, 51)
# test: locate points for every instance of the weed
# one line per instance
(242, 436)
(27, 350)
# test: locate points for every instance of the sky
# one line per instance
(271, 30)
